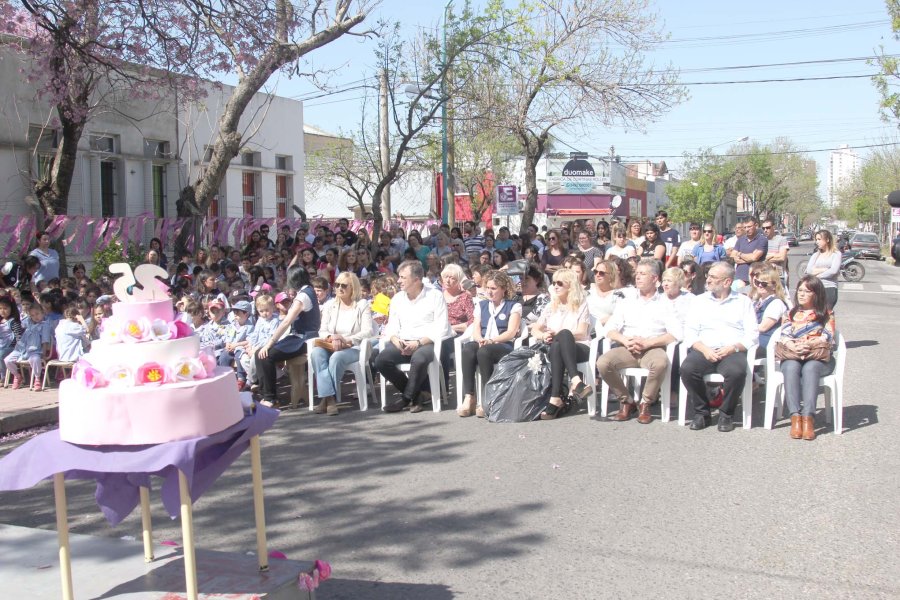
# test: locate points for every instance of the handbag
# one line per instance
(325, 343)
(787, 351)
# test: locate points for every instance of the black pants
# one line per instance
(485, 358)
(733, 368)
(565, 354)
(388, 364)
(265, 371)
(831, 297)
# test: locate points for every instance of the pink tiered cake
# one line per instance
(146, 382)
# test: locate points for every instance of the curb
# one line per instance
(29, 418)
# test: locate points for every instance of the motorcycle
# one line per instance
(851, 269)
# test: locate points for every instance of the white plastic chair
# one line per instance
(63, 365)
(639, 374)
(833, 385)
(360, 370)
(435, 376)
(746, 394)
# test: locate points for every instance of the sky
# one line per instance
(815, 114)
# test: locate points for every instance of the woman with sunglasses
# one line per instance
(562, 325)
(346, 323)
(807, 330)
(769, 301)
(620, 246)
(554, 253)
(708, 250)
(605, 291)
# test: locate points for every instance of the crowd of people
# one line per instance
(406, 294)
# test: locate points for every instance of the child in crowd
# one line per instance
(236, 332)
(10, 329)
(266, 324)
(383, 289)
(212, 333)
(33, 346)
(71, 336)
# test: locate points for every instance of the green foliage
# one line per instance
(861, 198)
(887, 79)
(696, 198)
(114, 253)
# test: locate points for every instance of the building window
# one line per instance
(159, 190)
(104, 143)
(249, 191)
(283, 163)
(250, 159)
(156, 149)
(282, 195)
(108, 188)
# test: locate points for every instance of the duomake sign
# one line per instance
(584, 175)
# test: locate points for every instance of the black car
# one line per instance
(791, 238)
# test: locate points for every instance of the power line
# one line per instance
(770, 152)
(779, 80)
(787, 64)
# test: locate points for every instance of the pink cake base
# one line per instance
(154, 309)
(148, 415)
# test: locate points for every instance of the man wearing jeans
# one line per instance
(642, 327)
(417, 318)
(720, 327)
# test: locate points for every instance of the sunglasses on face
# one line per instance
(341, 286)
(707, 231)
(552, 239)
(598, 272)
(762, 284)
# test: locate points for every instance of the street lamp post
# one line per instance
(448, 206)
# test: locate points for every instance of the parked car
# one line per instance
(806, 236)
(867, 244)
(791, 238)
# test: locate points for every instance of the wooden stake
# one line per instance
(62, 530)
(187, 538)
(259, 508)
(147, 524)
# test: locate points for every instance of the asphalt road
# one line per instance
(432, 507)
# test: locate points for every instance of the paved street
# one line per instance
(432, 507)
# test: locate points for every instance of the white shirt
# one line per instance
(563, 318)
(730, 242)
(621, 252)
(719, 323)
(645, 318)
(423, 316)
(686, 249)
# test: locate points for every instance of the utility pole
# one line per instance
(384, 144)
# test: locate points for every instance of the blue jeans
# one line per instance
(801, 384)
(330, 367)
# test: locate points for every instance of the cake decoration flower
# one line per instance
(111, 331)
(120, 376)
(186, 369)
(136, 330)
(209, 363)
(180, 329)
(151, 373)
(159, 330)
(87, 376)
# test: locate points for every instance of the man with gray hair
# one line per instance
(417, 318)
(721, 325)
(640, 327)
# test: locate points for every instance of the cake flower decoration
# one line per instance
(151, 374)
(159, 330)
(208, 361)
(87, 376)
(111, 331)
(186, 369)
(120, 376)
(180, 329)
(136, 330)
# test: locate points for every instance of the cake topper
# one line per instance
(140, 285)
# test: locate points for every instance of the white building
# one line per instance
(128, 166)
(842, 166)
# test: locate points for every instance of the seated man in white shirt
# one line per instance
(417, 318)
(720, 327)
(643, 327)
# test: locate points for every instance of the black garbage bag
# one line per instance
(520, 386)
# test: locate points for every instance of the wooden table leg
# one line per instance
(62, 530)
(259, 508)
(147, 524)
(187, 538)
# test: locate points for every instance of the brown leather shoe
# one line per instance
(809, 428)
(796, 427)
(644, 417)
(625, 410)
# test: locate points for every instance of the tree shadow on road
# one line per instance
(858, 416)
(861, 344)
(353, 589)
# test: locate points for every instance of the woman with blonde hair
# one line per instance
(769, 301)
(496, 326)
(562, 324)
(825, 264)
(604, 292)
(346, 323)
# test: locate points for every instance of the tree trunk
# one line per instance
(534, 148)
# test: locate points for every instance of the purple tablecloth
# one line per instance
(121, 470)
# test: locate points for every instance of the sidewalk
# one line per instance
(21, 409)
